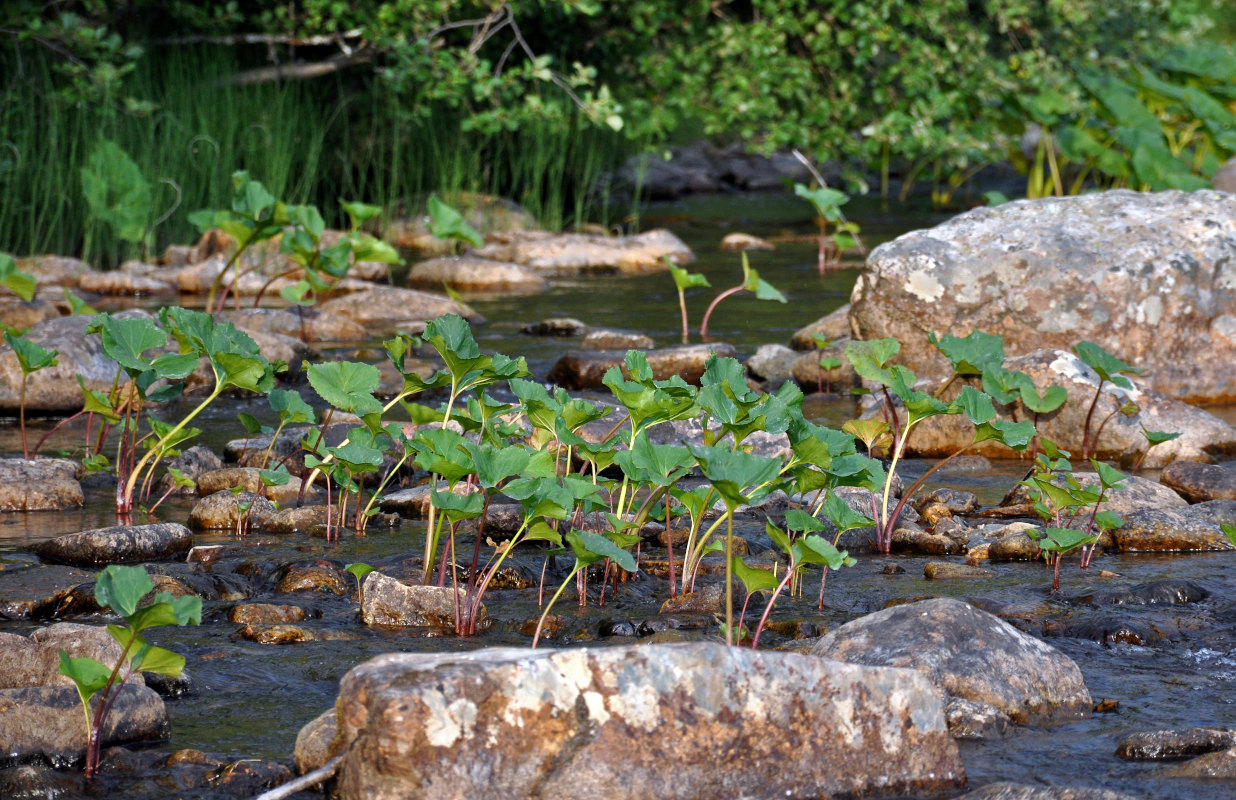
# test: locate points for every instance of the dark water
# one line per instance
(250, 700)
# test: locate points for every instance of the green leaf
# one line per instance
(1051, 399)
(19, 283)
(250, 198)
(116, 192)
(1159, 437)
(359, 213)
(1109, 476)
(156, 659)
(754, 579)
(1108, 520)
(291, 407)
(976, 405)
(458, 507)
(1016, 435)
(840, 514)
(870, 358)
(1064, 540)
(973, 353)
(447, 223)
(592, 547)
(30, 356)
(660, 465)
(1107, 365)
(347, 385)
(735, 474)
(87, 674)
(119, 588)
(798, 520)
(243, 372)
(1229, 531)
(826, 552)
(686, 280)
(496, 464)
(359, 570)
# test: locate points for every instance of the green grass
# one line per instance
(307, 141)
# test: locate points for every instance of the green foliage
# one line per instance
(751, 282)
(19, 283)
(121, 589)
(116, 192)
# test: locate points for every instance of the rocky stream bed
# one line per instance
(1118, 685)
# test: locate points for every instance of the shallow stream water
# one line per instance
(250, 700)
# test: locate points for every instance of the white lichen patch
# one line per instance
(445, 723)
(595, 702)
(553, 682)
(1224, 325)
(923, 285)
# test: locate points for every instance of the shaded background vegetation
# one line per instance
(535, 99)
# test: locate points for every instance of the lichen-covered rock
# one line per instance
(223, 511)
(585, 369)
(969, 654)
(386, 601)
(1191, 529)
(772, 362)
(1150, 277)
(121, 544)
(572, 253)
(579, 722)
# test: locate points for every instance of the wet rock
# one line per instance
(265, 614)
(966, 465)
(313, 324)
(20, 314)
(1105, 630)
(557, 326)
(219, 480)
(35, 661)
(806, 370)
(957, 501)
(46, 721)
(968, 653)
(832, 326)
(772, 363)
(274, 634)
(388, 305)
(38, 591)
(251, 776)
(1015, 791)
(708, 600)
(170, 686)
(39, 485)
(313, 742)
(192, 463)
(691, 432)
(908, 538)
(295, 520)
(1185, 743)
(1198, 483)
(287, 448)
(1015, 546)
(221, 511)
(54, 270)
(970, 720)
(38, 782)
(122, 544)
(386, 601)
(314, 576)
(1221, 765)
(1192, 529)
(1169, 592)
(1151, 277)
(704, 167)
(1203, 435)
(745, 241)
(950, 571)
(123, 283)
(585, 369)
(572, 253)
(628, 732)
(1135, 493)
(486, 213)
(470, 274)
(608, 339)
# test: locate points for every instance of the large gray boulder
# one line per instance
(969, 654)
(723, 722)
(1150, 277)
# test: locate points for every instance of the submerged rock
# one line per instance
(1221, 765)
(969, 654)
(579, 722)
(1149, 276)
(38, 591)
(121, 544)
(1185, 743)
(572, 253)
(39, 484)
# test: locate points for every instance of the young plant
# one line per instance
(19, 283)
(447, 224)
(1153, 439)
(1110, 370)
(31, 358)
(684, 280)
(255, 216)
(121, 589)
(588, 548)
(827, 363)
(827, 204)
(751, 282)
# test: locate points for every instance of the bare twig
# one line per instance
(303, 782)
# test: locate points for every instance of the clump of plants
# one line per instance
(122, 589)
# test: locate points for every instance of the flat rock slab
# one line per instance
(1197, 482)
(580, 722)
(572, 253)
(37, 591)
(585, 369)
(1149, 276)
(388, 305)
(1186, 743)
(121, 544)
(470, 274)
(39, 485)
(969, 654)
(47, 722)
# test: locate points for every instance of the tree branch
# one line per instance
(298, 71)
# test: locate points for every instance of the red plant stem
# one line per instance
(713, 305)
(1099, 432)
(21, 410)
(908, 493)
(1089, 414)
(39, 444)
(789, 575)
(682, 304)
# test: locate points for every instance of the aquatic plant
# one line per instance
(122, 589)
(751, 282)
(826, 363)
(844, 236)
(30, 358)
(15, 280)
(1110, 370)
(684, 280)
